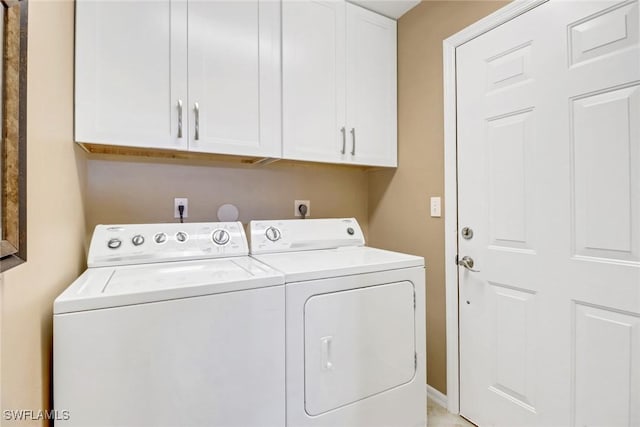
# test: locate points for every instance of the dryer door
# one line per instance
(358, 343)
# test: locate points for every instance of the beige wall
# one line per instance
(399, 200)
(134, 191)
(55, 213)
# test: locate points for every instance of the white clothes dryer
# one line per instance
(355, 325)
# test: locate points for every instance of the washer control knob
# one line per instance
(220, 237)
(114, 243)
(160, 238)
(137, 240)
(273, 234)
(350, 231)
(181, 236)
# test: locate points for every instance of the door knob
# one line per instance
(467, 262)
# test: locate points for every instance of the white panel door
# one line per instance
(371, 88)
(131, 73)
(549, 182)
(234, 77)
(313, 81)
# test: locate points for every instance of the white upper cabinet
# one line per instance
(142, 67)
(295, 79)
(130, 73)
(339, 84)
(371, 88)
(313, 80)
(234, 77)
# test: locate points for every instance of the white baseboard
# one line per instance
(437, 396)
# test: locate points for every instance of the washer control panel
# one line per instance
(145, 243)
(301, 235)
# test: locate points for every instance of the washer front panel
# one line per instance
(215, 360)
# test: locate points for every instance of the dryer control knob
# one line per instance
(273, 234)
(137, 240)
(114, 243)
(181, 236)
(220, 237)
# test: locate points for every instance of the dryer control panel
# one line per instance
(146, 243)
(301, 235)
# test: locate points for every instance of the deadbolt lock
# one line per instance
(467, 233)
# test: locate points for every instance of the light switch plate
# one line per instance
(436, 207)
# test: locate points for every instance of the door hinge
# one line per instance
(414, 299)
(415, 361)
(456, 259)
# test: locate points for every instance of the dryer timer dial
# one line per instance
(273, 234)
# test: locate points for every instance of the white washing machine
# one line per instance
(171, 325)
(355, 325)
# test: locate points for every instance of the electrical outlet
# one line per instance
(296, 206)
(180, 201)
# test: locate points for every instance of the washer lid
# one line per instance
(113, 287)
(321, 264)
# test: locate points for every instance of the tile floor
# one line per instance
(437, 416)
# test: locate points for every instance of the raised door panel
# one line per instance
(371, 88)
(513, 346)
(606, 175)
(130, 73)
(605, 377)
(509, 149)
(234, 77)
(313, 80)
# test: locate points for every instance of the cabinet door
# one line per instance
(371, 88)
(131, 73)
(313, 61)
(234, 77)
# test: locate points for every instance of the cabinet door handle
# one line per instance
(344, 139)
(179, 118)
(196, 108)
(353, 138)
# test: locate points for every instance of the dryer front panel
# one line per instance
(357, 343)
